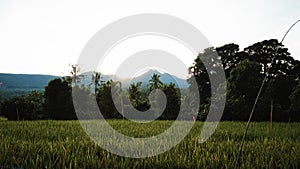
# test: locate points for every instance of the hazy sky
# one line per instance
(44, 37)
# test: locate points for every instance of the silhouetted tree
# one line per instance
(173, 102)
(154, 82)
(35, 102)
(11, 108)
(96, 78)
(58, 100)
(202, 72)
(279, 90)
(28, 107)
(137, 97)
(85, 103)
(281, 69)
(105, 100)
(271, 55)
(294, 109)
(230, 56)
(242, 88)
(75, 77)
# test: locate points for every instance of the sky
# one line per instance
(44, 37)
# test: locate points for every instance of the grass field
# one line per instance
(64, 144)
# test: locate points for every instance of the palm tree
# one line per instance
(74, 72)
(154, 82)
(135, 93)
(96, 79)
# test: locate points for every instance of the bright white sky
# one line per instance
(44, 37)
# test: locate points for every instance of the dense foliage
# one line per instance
(30, 107)
(245, 71)
(58, 100)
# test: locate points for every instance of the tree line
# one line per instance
(244, 71)
(56, 102)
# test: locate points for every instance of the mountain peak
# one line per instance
(151, 72)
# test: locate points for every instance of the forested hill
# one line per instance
(21, 84)
(23, 81)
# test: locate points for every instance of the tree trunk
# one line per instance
(17, 110)
(271, 112)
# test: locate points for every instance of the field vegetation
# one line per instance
(64, 144)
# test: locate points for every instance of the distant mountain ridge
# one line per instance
(12, 85)
(144, 78)
(24, 80)
(164, 77)
(22, 84)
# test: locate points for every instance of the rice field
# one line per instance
(64, 144)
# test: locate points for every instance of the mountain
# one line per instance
(144, 78)
(24, 80)
(21, 84)
(164, 77)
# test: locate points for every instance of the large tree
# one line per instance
(173, 101)
(278, 91)
(207, 65)
(273, 57)
(105, 99)
(275, 62)
(242, 88)
(58, 100)
(282, 72)
(230, 56)
(294, 109)
(137, 97)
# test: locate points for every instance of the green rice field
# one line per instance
(64, 144)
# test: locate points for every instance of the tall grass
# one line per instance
(64, 144)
